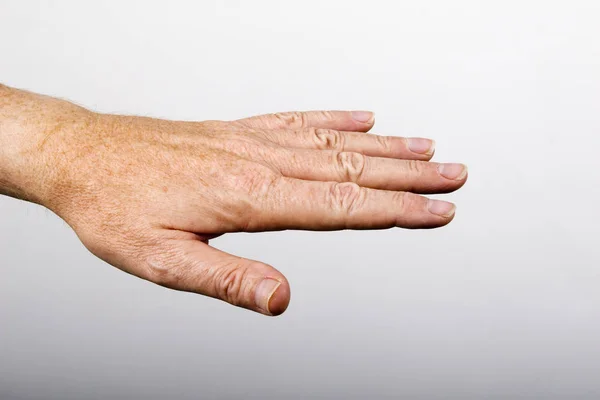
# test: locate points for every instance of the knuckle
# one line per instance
(399, 200)
(230, 283)
(351, 165)
(292, 119)
(164, 270)
(347, 196)
(385, 142)
(414, 166)
(327, 115)
(327, 139)
(408, 202)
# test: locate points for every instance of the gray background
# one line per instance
(502, 304)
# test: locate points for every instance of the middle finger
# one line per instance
(372, 172)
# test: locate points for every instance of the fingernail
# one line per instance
(442, 208)
(264, 292)
(453, 171)
(420, 145)
(363, 116)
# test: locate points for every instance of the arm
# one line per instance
(147, 195)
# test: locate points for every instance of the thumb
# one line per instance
(194, 266)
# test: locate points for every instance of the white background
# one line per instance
(504, 303)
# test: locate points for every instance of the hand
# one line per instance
(147, 195)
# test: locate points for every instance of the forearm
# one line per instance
(29, 125)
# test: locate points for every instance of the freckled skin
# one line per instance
(147, 195)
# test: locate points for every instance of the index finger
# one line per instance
(312, 205)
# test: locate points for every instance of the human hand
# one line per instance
(147, 195)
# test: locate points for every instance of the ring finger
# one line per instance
(365, 143)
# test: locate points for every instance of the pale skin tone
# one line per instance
(147, 195)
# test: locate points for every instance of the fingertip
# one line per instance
(421, 146)
(441, 208)
(272, 295)
(361, 121)
(453, 171)
(364, 117)
(448, 218)
(280, 299)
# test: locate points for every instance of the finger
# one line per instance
(297, 204)
(194, 266)
(373, 172)
(367, 144)
(359, 121)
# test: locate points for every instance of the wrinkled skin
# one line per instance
(147, 195)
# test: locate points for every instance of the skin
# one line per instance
(147, 195)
